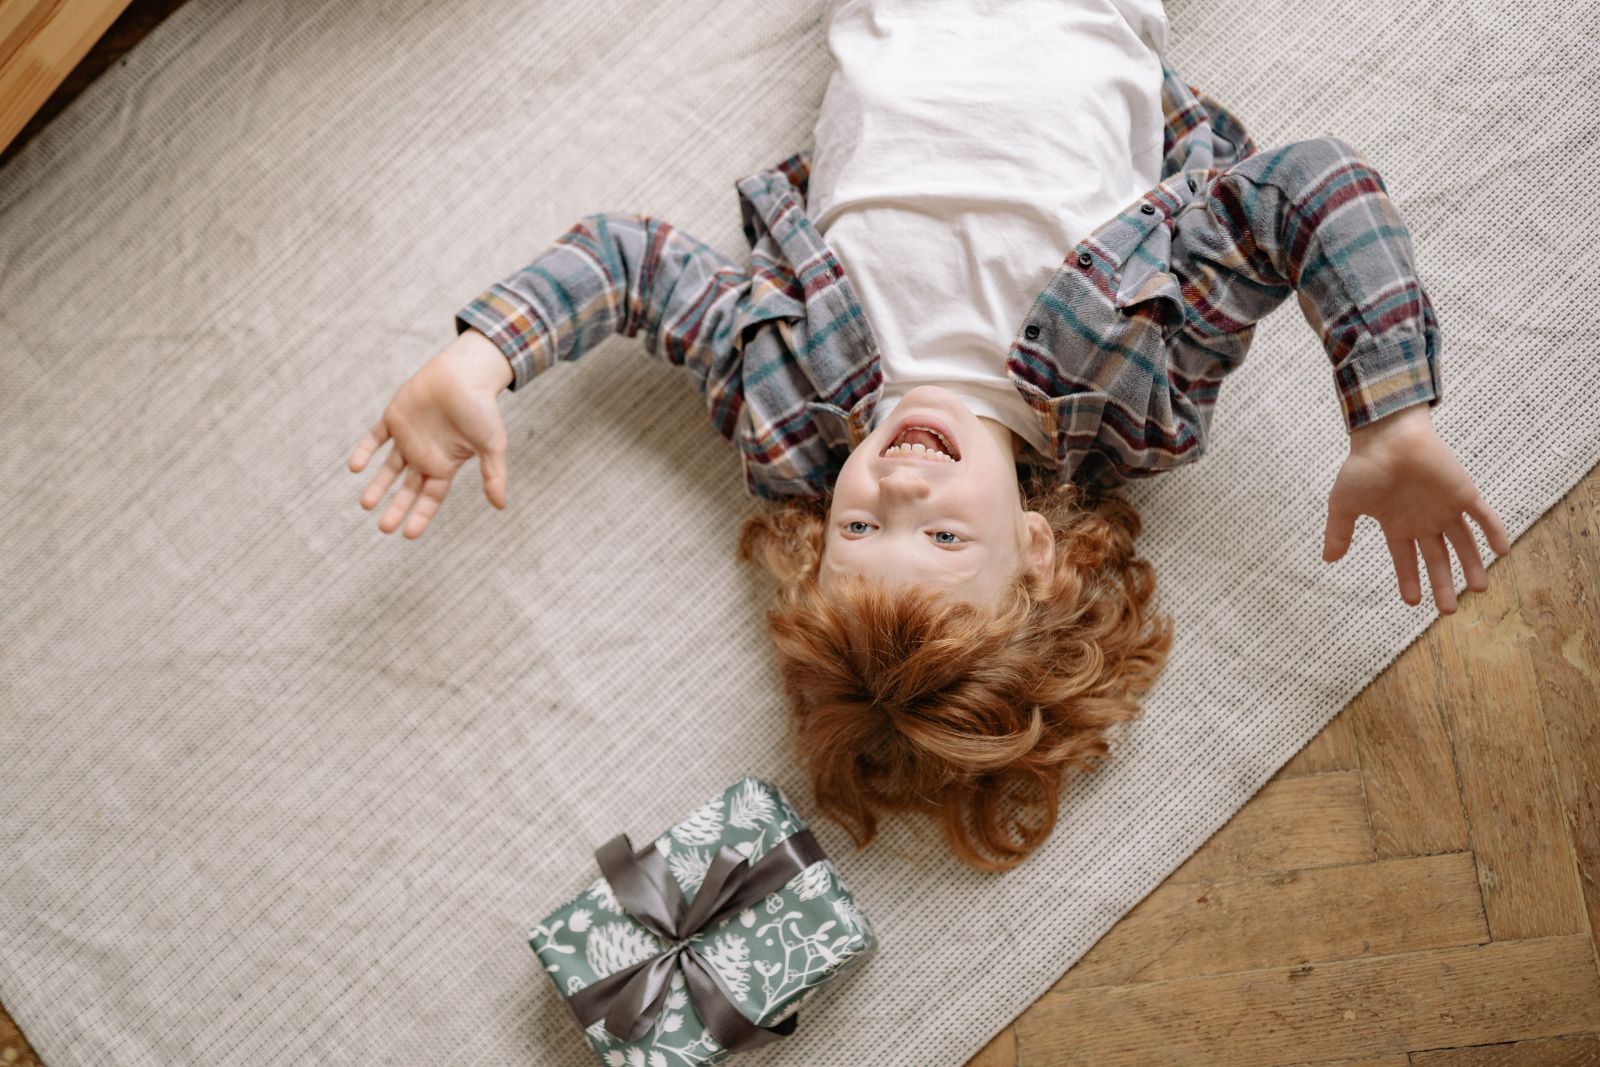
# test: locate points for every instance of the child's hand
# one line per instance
(1402, 473)
(439, 418)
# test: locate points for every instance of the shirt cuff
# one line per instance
(514, 326)
(1383, 380)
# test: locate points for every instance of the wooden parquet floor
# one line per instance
(1418, 887)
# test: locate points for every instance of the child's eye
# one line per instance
(858, 527)
(945, 537)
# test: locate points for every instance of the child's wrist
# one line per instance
(1406, 420)
(482, 360)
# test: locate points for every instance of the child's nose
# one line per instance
(903, 485)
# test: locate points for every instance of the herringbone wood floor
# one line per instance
(1419, 887)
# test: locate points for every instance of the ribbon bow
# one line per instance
(630, 1000)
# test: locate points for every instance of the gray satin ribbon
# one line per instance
(630, 1000)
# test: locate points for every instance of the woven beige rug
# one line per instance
(280, 789)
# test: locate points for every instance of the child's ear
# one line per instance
(1041, 553)
(786, 543)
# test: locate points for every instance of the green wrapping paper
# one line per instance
(769, 957)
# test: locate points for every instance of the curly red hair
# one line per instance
(910, 702)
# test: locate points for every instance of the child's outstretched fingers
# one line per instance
(1489, 522)
(1437, 556)
(385, 477)
(492, 465)
(389, 521)
(370, 442)
(1403, 551)
(1336, 535)
(1467, 552)
(428, 500)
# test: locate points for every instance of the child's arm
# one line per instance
(1314, 218)
(611, 273)
(620, 273)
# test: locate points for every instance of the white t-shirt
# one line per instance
(962, 149)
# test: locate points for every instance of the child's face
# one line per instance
(909, 517)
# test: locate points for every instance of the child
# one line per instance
(961, 610)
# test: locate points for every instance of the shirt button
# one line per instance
(1084, 259)
(1031, 332)
(1148, 209)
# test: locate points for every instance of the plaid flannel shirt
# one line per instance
(1121, 355)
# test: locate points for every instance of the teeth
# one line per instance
(918, 450)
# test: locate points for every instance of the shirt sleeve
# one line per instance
(1315, 217)
(619, 273)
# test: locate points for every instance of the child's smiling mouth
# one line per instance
(918, 440)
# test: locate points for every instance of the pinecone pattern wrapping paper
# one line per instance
(773, 956)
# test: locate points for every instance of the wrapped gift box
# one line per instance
(767, 957)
